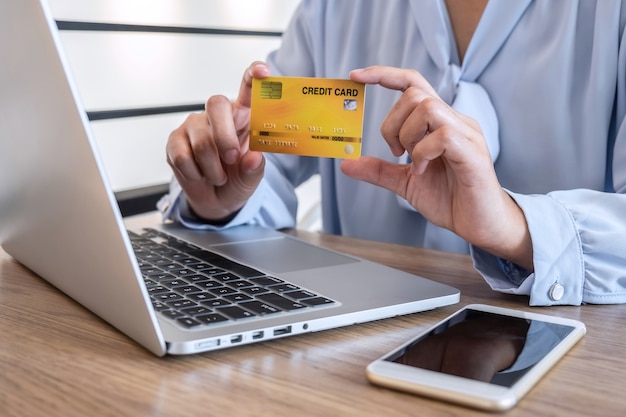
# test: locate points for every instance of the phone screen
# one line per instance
(483, 346)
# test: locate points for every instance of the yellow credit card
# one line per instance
(307, 116)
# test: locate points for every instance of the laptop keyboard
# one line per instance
(196, 287)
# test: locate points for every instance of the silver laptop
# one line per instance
(59, 218)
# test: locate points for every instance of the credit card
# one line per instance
(307, 116)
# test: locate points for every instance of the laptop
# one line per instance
(60, 219)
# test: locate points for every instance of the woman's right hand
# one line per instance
(209, 153)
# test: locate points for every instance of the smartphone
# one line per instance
(482, 356)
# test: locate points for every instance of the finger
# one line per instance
(223, 133)
(455, 141)
(192, 154)
(378, 172)
(397, 133)
(180, 157)
(192, 150)
(243, 180)
(228, 120)
(407, 121)
(251, 171)
(424, 152)
(393, 78)
(257, 69)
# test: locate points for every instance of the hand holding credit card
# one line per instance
(307, 116)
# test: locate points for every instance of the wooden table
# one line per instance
(58, 359)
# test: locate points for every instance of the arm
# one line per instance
(572, 242)
(217, 182)
(578, 239)
(450, 180)
(209, 155)
(578, 235)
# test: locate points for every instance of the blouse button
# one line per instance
(556, 291)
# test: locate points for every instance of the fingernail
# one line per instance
(257, 165)
(262, 66)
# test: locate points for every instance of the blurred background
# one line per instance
(141, 66)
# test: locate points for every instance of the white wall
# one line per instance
(121, 70)
(126, 70)
(231, 14)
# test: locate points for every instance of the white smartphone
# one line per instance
(482, 356)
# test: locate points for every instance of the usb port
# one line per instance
(236, 339)
(257, 335)
(282, 331)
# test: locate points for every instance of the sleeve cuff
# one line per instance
(501, 275)
(558, 274)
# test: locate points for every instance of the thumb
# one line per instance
(257, 69)
(378, 172)
(251, 169)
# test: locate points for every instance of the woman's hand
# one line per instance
(451, 179)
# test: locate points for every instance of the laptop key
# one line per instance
(150, 257)
(299, 294)
(172, 314)
(280, 301)
(196, 278)
(211, 318)
(240, 284)
(317, 301)
(160, 261)
(173, 283)
(266, 281)
(206, 268)
(179, 304)
(160, 276)
(171, 266)
(147, 267)
(237, 298)
(201, 297)
(188, 322)
(149, 283)
(284, 287)
(217, 302)
(195, 311)
(209, 283)
(235, 312)
(158, 289)
(158, 306)
(259, 307)
(168, 296)
(221, 291)
(166, 252)
(225, 263)
(254, 290)
(187, 289)
(225, 277)
(187, 261)
(184, 272)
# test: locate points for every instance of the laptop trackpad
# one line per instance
(283, 255)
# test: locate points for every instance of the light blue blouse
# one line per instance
(545, 80)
